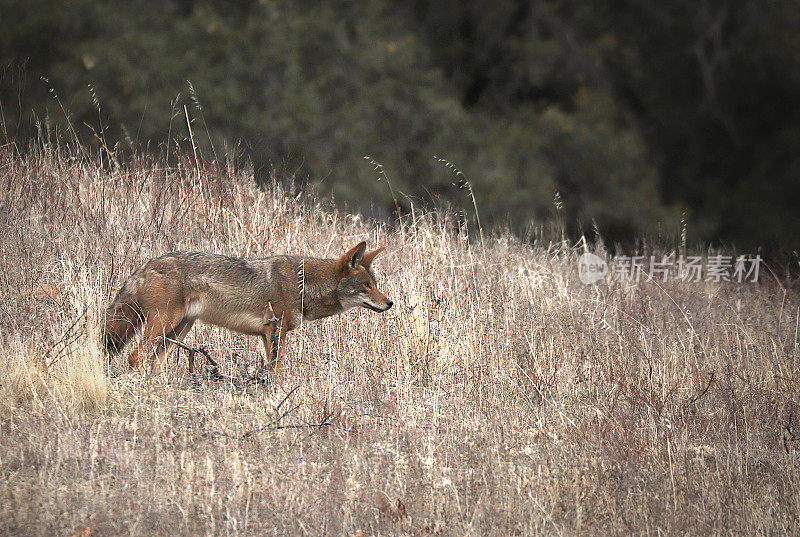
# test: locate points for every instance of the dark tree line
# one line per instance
(633, 111)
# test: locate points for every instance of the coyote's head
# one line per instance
(357, 285)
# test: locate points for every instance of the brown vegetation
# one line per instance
(500, 396)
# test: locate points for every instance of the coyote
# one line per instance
(168, 294)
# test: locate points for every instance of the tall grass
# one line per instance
(499, 396)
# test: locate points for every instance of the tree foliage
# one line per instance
(631, 113)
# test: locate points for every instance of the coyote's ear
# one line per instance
(366, 261)
(353, 257)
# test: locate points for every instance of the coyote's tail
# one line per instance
(123, 318)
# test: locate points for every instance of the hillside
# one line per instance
(499, 396)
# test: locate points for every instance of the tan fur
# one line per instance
(170, 293)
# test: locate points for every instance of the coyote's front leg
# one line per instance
(273, 338)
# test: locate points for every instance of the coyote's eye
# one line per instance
(367, 284)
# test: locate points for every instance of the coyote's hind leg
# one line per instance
(153, 345)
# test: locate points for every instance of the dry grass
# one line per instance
(498, 397)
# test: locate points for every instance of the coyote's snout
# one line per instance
(167, 295)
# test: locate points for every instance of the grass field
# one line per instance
(500, 396)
